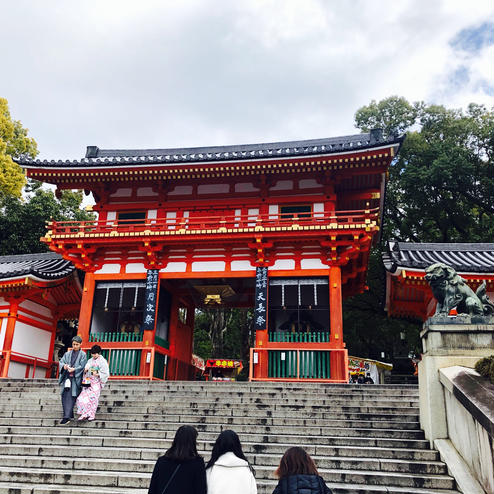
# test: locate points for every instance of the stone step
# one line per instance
(248, 447)
(364, 439)
(240, 412)
(136, 422)
(122, 441)
(263, 488)
(217, 428)
(112, 391)
(263, 461)
(123, 478)
(167, 408)
(197, 401)
(138, 383)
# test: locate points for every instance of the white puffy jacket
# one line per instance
(230, 474)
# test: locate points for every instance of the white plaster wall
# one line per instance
(242, 266)
(175, 267)
(238, 212)
(171, 219)
(283, 185)
(245, 187)
(152, 214)
(471, 440)
(109, 269)
(135, 267)
(312, 264)
(16, 369)
(122, 193)
(283, 264)
(34, 307)
(39, 372)
(208, 266)
(180, 190)
(318, 209)
(31, 341)
(310, 183)
(111, 217)
(213, 189)
(146, 192)
(253, 214)
(3, 329)
(273, 211)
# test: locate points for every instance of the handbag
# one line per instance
(86, 383)
(170, 479)
(67, 384)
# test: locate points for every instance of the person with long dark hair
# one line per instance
(297, 474)
(180, 470)
(228, 469)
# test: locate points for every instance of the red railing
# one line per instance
(213, 224)
(31, 362)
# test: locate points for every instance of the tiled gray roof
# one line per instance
(463, 257)
(241, 152)
(45, 266)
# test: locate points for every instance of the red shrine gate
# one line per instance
(204, 222)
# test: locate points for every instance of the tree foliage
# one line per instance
(440, 189)
(14, 142)
(223, 332)
(23, 220)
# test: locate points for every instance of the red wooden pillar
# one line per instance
(86, 308)
(173, 336)
(55, 316)
(261, 368)
(9, 333)
(337, 359)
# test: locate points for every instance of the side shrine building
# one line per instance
(284, 228)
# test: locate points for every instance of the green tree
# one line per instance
(440, 186)
(14, 142)
(23, 220)
(223, 332)
(440, 189)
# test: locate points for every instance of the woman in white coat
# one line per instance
(228, 470)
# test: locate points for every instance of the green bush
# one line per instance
(485, 367)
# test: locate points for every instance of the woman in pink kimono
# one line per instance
(96, 373)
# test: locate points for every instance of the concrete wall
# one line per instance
(470, 421)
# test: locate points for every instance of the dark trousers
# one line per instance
(68, 402)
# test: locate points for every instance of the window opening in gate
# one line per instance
(295, 210)
(118, 311)
(131, 218)
(299, 305)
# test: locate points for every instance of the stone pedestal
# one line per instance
(446, 342)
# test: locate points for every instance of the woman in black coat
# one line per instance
(181, 470)
(298, 474)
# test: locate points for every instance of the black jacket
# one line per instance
(302, 484)
(189, 479)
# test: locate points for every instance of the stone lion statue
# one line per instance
(450, 290)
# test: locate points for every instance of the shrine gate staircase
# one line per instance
(364, 438)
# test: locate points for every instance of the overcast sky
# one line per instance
(144, 74)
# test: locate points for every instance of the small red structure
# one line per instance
(222, 369)
(285, 228)
(36, 292)
(407, 292)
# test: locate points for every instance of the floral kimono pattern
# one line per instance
(96, 373)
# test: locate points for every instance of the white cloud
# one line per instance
(205, 72)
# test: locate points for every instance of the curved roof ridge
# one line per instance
(464, 257)
(352, 138)
(241, 152)
(45, 265)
